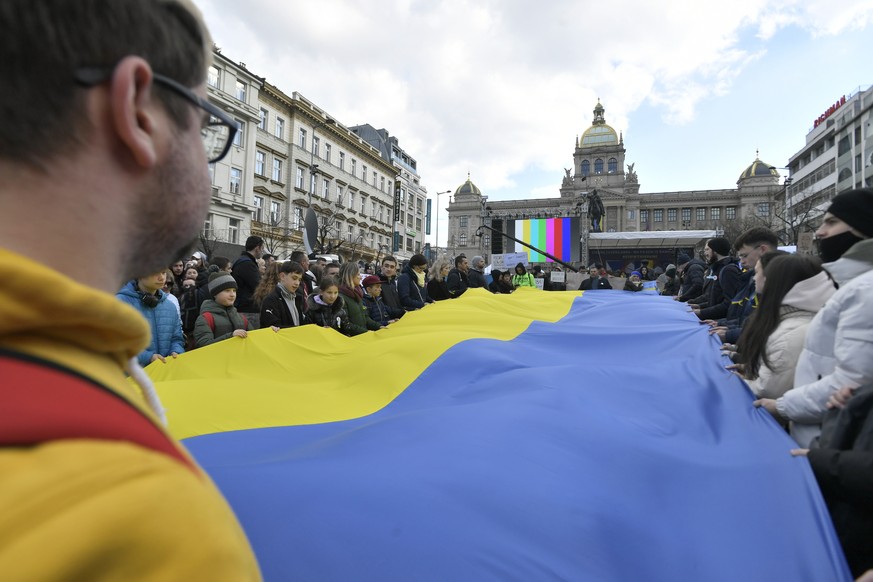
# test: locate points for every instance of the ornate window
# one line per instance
(598, 166)
(612, 166)
(701, 214)
(586, 167)
(671, 214)
(463, 239)
(463, 223)
(730, 212)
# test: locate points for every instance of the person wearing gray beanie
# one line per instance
(218, 282)
(219, 320)
(476, 273)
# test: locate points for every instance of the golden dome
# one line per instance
(599, 134)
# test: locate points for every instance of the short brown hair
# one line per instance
(43, 44)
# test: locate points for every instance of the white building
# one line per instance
(838, 156)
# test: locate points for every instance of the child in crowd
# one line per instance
(634, 282)
(326, 308)
(284, 306)
(353, 298)
(219, 319)
(376, 308)
(145, 295)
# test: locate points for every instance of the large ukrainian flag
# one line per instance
(535, 436)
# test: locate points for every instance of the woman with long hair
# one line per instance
(267, 285)
(353, 295)
(437, 289)
(790, 290)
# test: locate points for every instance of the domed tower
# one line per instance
(758, 176)
(466, 190)
(599, 155)
(759, 192)
(466, 210)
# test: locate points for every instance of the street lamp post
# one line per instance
(438, 194)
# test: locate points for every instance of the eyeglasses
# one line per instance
(217, 134)
(744, 255)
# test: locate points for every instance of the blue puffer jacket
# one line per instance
(164, 321)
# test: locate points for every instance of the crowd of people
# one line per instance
(200, 301)
(111, 139)
(798, 331)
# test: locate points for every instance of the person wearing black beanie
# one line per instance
(848, 220)
(722, 280)
(719, 245)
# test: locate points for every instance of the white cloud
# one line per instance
(495, 87)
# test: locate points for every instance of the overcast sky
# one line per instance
(501, 88)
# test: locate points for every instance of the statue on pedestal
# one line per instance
(596, 211)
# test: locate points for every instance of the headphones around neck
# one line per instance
(150, 300)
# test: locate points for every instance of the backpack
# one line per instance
(43, 401)
(210, 321)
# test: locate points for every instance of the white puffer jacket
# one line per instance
(785, 344)
(838, 350)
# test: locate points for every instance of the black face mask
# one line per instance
(833, 247)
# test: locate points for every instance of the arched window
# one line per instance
(586, 167)
(612, 166)
(463, 239)
(598, 166)
(845, 174)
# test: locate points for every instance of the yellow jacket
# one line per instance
(96, 510)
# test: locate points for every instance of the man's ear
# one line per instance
(134, 108)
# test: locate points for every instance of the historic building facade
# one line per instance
(411, 196)
(600, 165)
(290, 156)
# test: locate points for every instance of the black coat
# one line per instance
(843, 467)
(456, 283)
(590, 284)
(476, 279)
(334, 316)
(438, 290)
(390, 296)
(692, 279)
(247, 276)
(274, 310)
(723, 288)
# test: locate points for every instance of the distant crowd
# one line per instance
(198, 302)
